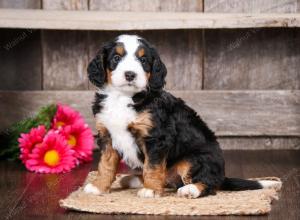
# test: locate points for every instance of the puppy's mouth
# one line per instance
(129, 84)
(130, 87)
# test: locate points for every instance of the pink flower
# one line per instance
(52, 156)
(64, 116)
(31, 140)
(69, 142)
(80, 138)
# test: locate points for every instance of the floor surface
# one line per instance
(25, 195)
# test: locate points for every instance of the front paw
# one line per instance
(147, 193)
(91, 189)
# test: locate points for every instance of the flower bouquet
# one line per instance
(56, 140)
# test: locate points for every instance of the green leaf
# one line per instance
(9, 146)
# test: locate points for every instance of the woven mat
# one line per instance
(120, 201)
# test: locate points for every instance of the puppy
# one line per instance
(149, 128)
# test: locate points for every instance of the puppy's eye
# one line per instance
(117, 58)
(143, 60)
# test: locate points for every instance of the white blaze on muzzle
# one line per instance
(129, 62)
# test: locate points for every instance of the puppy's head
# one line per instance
(130, 64)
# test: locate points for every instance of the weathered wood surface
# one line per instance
(259, 143)
(252, 59)
(20, 58)
(247, 113)
(253, 6)
(146, 5)
(181, 54)
(96, 20)
(20, 53)
(228, 113)
(20, 4)
(65, 53)
(65, 4)
(65, 59)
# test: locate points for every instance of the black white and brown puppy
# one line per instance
(151, 129)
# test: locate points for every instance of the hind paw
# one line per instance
(131, 182)
(190, 191)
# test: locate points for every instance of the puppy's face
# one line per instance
(128, 64)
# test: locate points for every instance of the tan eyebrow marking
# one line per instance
(120, 50)
(141, 52)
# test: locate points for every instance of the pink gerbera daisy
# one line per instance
(52, 156)
(80, 138)
(64, 116)
(30, 140)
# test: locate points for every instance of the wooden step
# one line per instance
(97, 20)
(228, 113)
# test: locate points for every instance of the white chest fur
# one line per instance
(116, 115)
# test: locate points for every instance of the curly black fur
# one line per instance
(97, 67)
(96, 108)
(180, 134)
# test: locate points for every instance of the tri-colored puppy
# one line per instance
(151, 129)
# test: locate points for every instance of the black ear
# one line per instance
(97, 67)
(158, 72)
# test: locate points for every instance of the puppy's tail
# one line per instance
(237, 184)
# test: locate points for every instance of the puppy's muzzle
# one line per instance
(130, 76)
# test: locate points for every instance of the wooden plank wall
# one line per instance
(254, 59)
(20, 53)
(253, 6)
(29, 4)
(65, 4)
(65, 53)
(20, 58)
(217, 60)
(146, 5)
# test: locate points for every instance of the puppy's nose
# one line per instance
(129, 75)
